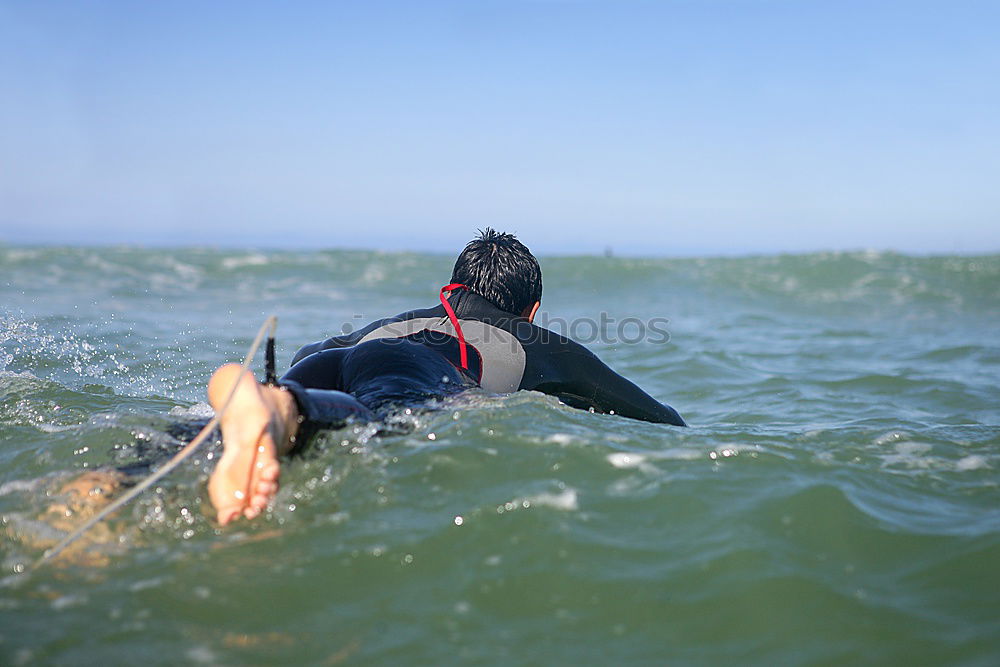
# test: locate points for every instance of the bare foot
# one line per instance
(91, 489)
(74, 501)
(256, 429)
(81, 497)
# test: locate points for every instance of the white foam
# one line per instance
(910, 455)
(567, 500)
(911, 448)
(202, 655)
(230, 263)
(66, 601)
(972, 462)
(16, 485)
(197, 410)
(891, 436)
(626, 460)
(54, 428)
(146, 583)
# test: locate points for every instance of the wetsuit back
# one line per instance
(381, 372)
(358, 382)
(507, 353)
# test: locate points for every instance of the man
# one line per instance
(482, 334)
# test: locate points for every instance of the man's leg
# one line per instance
(257, 429)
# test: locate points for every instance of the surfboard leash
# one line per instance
(270, 375)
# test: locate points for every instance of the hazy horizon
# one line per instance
(540, 251)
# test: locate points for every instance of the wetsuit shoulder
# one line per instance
(557, 365)
(354, 337)
(566, 369)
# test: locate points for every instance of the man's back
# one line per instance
(510, 353)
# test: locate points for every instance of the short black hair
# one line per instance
(501, 269)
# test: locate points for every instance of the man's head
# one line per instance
(501, 269)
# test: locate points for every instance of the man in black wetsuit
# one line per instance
(480, 335)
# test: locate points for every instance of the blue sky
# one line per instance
(648, 127)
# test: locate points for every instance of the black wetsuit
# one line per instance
(416, 355)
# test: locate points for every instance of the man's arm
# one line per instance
(575, 375)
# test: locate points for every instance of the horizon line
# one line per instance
(609, 253)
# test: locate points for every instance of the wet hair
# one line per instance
(501, 269)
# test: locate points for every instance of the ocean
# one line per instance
(835, 500)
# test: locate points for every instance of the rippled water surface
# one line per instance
(835, 500)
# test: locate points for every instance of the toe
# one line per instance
(270, 471)
(228, 514)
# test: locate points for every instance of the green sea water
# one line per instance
(835, 500)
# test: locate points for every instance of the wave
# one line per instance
(819, 279)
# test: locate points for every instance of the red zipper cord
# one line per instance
(454, 320)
